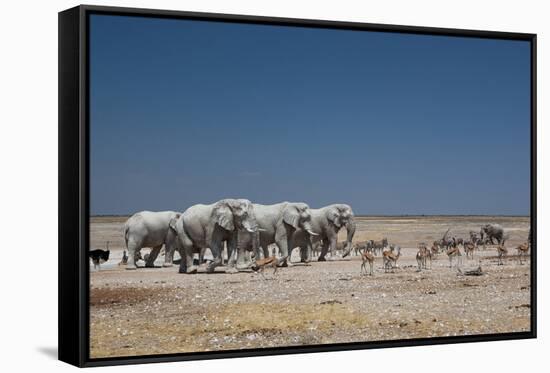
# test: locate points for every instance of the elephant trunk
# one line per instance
(247, 242)
(350, 227)
(243, 261)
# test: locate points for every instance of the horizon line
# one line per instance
(368, 215)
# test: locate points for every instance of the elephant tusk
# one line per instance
(312, 232)
(262, 230)
(250, 230)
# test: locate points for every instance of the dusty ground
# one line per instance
(155, 311)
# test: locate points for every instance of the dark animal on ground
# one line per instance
(99, 256)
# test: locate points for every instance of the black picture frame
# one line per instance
(74, 184)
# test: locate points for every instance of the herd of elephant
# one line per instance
(244, 227)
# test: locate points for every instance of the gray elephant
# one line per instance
(278, 224)
(208, 226)
(152, 230)
(326, 222)
(490, 232)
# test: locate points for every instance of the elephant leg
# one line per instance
(186, 260)
(291, 246)
(150, 262)
(259, 252)
(216, 247)
(226, 249)
(333, 242)
(201, 255)
(186, 253)
(264, 245)
(186, 263)
(309, 249)
(231, 255)
(133, 250)
(243, 260)
(282, 243)
(290, 251)
(168, 256)
(242, 251)
(324, 250)
(303, 254)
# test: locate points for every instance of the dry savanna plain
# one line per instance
(158, 311)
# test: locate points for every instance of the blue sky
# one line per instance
(186, 112)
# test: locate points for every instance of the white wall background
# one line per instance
(28, 181)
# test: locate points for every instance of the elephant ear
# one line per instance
(334, 216)
(291, 217)
(224, 217)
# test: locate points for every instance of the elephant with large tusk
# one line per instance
(202, 226)
(279, 222)
(327, 222)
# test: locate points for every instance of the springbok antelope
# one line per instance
(474, 237)
(270, 261)
(457, 241)
(422, 256)
(523, 250)
(469, 248)
(390, 258)
(452, 252)
(367, 256)
(429, 256)
(502, 251)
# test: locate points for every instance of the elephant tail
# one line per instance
(126, 233)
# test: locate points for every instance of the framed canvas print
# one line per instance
(233, 186)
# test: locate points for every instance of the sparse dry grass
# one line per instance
(165, 334)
